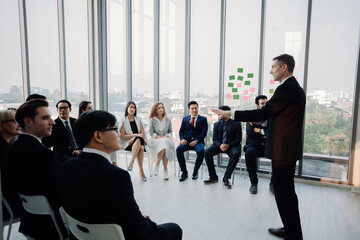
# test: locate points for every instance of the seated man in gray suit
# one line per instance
(95, 191)
(226, 139)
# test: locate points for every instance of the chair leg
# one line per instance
(11, 217)
(57, 227)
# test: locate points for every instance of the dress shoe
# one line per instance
(211, 180)
(183, 177)
(271, 188)
(195, 176)
(253, 189)
(279, 232)
(166, 175)
(227, 183)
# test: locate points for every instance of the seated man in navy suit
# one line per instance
(192, 132)
(226, 139)
(95, 191)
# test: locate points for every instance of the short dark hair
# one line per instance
(258, 98)
(128, 105)
(35, 96)
(82, 106)
(191, 103)
(89, 122)
(64, 101)
(29, 109)
(225, 108)
(286, 59)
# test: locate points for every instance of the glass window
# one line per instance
(172, 61)
(204, 60)
(43, 41)
(76, 43)
(143, 56)
(116, 53)
(11, 92)
(285, 32)
(330, 95)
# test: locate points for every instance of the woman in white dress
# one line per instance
(161, 146)
(132, 137)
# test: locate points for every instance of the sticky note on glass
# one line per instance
(272, 81)
(246, 91)
(239, 85)
(252, 89)
(229, 96)
(250, 75)
(232, 77)
(236, 97)
(230, 84)
(240, 70)
(240, 78)
(245, 98)
(271, 91)
(247, 82)
(234, 90)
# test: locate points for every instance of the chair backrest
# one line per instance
(38, 204)
(87, 231)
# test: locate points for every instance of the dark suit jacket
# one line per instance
(233, 134)
(60, 139)
(95, 191)
(33, 170)
(285, 112)
(253, 138)
(190, 133)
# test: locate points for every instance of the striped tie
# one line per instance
(224, 133)
(72, 145)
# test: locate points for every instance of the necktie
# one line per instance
(192, 121)
(224, 133)
(72, 145)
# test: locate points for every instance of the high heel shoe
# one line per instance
(129, 168)
(144, 179)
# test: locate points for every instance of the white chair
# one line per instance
(11, 220)
(85, 231)
(40, 205)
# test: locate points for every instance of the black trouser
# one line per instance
(166, 231)
(286, 199)
(234, 154)
(251, 154)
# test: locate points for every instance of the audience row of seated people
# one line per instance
(81, 148)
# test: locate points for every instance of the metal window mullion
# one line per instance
(306, 71)
(156, 50)
(62, 49)
(103, 56)
(187, 54)
(24, 48)
(262, 46)
(129, 50)
(91, 53)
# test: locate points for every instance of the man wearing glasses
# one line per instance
(62, 136)
(95, 191)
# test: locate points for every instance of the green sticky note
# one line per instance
(234, 90)
(232, 77)
(240, 70)
(271, 91)
(250, 75)
(230, 84)
(240, 78)
(235, 96)
(247, 82)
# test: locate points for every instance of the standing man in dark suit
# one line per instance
(255, 146)
(95, 191)
(226, 139)
(62, 135)
(284, 142)
(192, 132)
(32, 169)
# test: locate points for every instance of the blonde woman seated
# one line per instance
(161, 146)
(132, 137)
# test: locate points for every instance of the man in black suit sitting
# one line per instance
(62, 136)
(32, 169)
(226, 139)
(95, 191)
